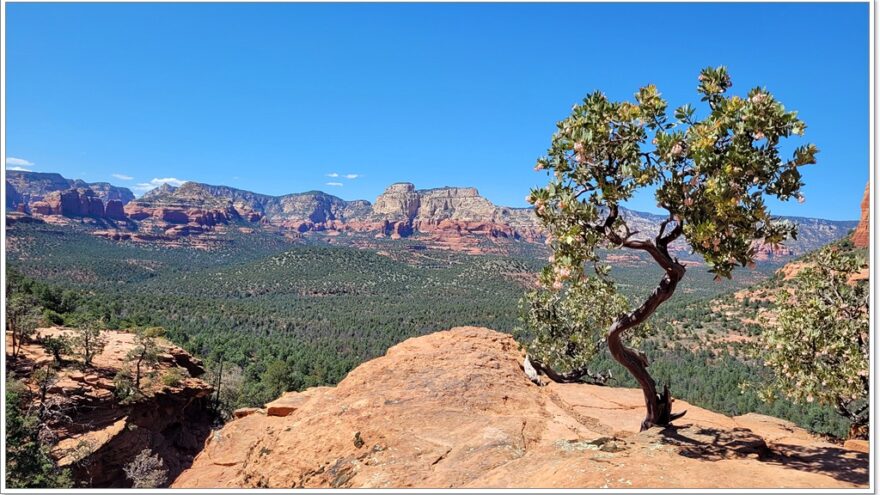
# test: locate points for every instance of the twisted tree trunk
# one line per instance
(659, 406)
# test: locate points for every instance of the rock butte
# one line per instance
(862, 235)
(454, 409)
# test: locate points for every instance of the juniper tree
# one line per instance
(22, 319)
(57, 346)
(711, 176)
(819, 345)
(145, 352)
(89, 341)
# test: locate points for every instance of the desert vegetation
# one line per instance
(711, 175)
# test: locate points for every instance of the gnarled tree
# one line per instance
(711, 175)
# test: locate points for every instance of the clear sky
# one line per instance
(274, 97)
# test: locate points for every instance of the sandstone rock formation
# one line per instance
(862, 235)
(97, 434)
(454, 409)
(456, 218)
(71, 203)
(766, 252)
(30, 187)
(114, 210)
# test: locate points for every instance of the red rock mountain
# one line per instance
(862, 235)
(29, 187)
(454, 410)
(447, 217)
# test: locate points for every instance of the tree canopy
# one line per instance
(819, 345)
(711, 175)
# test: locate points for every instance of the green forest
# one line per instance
(286, 315)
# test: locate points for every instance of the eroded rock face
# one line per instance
(450, 211)
(455, 410)
(71, 203)
(399, 202)
(400, 211)
(97, 434)
(862, 235)
(114, 210)
(766, 252)
(31, 187)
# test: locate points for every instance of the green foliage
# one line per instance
(28, 463)
(22, 319)
(323, 310)
(567, 327)
(123, 386)
(145, 352)
(89, 340)
(172, 377)
(57, 346)
(711, 175)
(819, 346)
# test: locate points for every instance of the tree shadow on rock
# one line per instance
(712, 444)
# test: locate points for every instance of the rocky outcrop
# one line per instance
(13, 198)
(449, 217)
(449, 211)
(862, 235)
(70, 203)
(114, 210)
(96, 434)
(455, 410)
(399, 202)
(767, 252)
(31, 187)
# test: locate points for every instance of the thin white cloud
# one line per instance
(332, 174)
(18, 169)
(122, 176)
(17, 162)
(154, 183)
(351, 176)
(335, 184)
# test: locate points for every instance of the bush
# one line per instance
(146, 470)
(172, 378)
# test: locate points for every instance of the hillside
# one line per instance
(94, 433)
(454, 409)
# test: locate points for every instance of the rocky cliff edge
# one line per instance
(454, 409)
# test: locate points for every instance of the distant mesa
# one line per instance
(449, 217)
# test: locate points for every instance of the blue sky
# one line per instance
(274, 97)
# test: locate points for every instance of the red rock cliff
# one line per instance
(862, 235)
